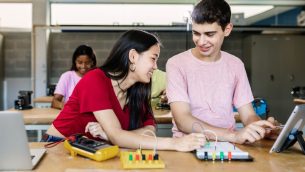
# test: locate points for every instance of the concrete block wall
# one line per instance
(63, 44)
(17, 65)
(17, 54)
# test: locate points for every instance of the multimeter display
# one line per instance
(89, 145)
(96, 150)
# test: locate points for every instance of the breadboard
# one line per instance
(221, 151)
(136, 162)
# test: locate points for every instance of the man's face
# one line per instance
(208, 39)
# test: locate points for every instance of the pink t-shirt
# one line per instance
(211, 88)
(66, 84)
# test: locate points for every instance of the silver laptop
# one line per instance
(15, 153)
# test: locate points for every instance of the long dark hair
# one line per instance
(210, 11)
(117, 65)
(83, 50)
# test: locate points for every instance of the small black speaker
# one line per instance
(298, 92)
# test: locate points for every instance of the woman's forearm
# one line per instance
(134, 140)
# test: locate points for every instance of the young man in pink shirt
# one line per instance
(204, 83)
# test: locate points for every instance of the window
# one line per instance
(119, 14)
(250, 10)
(16, 15)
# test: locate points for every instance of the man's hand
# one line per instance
(254, 131)
(273, 133)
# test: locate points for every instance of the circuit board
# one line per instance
(144, 159)
(221, 151)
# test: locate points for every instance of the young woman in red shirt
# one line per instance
(117, 97)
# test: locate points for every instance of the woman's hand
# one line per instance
(189, 142)
(96, 130)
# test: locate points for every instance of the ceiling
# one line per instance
(280, 6)
(233, 2)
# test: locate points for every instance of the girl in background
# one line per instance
(83, 60)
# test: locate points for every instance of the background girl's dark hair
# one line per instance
(211, 11)
(116, 67)
(83, 50)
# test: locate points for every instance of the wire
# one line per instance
(193, 126)
(210, 131)
(154, 134)
(204, 131)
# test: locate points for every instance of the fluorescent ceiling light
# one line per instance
(250, 10)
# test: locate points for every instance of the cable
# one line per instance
(210, 131)
(156, 143)
(193, 131)
(204, 131)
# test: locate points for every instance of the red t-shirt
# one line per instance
(93, 92)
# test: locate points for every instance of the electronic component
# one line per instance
(24, 100)
(96, 150)
(141, 159)
(221, 151)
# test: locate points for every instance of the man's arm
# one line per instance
(186, 123)
(253, 131)
(247, 114)
(249, 118)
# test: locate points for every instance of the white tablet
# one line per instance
(292, 131)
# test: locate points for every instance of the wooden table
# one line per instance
(58, 159)
(299, 101)
(47, 115)
(43, 102)
(43, 99)
(39, 116)
(39, 119)
(162, 116)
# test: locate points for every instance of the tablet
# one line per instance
(292, 131)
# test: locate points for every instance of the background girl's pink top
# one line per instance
(66, 84)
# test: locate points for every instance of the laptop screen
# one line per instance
(14, 147)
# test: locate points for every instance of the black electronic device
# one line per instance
(93, 149)
(162, 106)
(24, 100)
(51, 89)
(298, 92)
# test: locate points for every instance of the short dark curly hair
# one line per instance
(210, 11)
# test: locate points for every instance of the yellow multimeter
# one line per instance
(96, 150)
